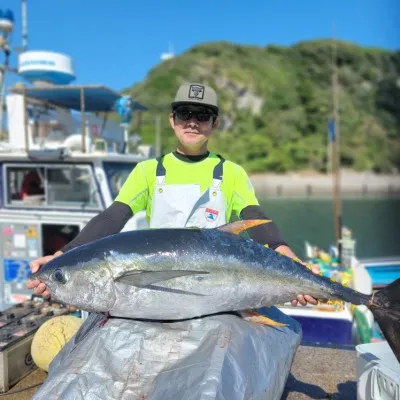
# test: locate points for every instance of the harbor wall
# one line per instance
(309, 184)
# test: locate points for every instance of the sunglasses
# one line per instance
(184, 114)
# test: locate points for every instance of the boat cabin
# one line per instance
(63, 162)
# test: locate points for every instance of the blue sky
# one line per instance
(117, 43)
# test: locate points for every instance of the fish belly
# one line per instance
(232, 283)
(190, 297)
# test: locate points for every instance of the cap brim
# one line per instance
(183, 103)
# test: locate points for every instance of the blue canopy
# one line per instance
(97, 98)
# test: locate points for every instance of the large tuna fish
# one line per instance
(172, 274)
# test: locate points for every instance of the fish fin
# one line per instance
(177, 291)
(241, 225)
(385, 307)
(144, 278)
(257, 318)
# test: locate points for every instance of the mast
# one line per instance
(3, 69)
(24, 25)
(335, 157)
(6, 28)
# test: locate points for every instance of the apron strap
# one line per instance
(160, 171)
(217, 173)
(160, 167)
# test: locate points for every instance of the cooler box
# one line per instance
(378, 372)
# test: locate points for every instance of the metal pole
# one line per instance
(83, 128)
(24, 25)
(3, 69)
(336, 150)
(126, 138)
(26, 122)
(2, 87)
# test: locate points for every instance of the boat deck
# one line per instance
(317, 373)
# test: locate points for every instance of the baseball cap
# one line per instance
(196, 93)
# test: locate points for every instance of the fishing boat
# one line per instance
(62, 162)
(336, 323)
(340, 325)
(382, 270)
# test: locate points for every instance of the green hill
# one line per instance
(276, 101)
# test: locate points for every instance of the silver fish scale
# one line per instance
(239, 275)
(230, 285)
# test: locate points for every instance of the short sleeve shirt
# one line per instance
(137, 191)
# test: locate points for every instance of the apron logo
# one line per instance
(211, 215)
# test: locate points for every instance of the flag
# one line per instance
(331, 131)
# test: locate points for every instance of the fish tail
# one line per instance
(385, 307)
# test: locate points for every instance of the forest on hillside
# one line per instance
(276, 103)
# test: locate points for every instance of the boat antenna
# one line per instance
(6, 28)
(24, 25)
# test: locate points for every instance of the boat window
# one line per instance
(25, 182)
(116, 173)
(71, 185)
(51, 186)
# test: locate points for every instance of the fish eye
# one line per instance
(59, 276)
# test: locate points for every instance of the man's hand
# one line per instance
(39, 288)
(303, 299)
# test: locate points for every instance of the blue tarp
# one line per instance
(97, 98)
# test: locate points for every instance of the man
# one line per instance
(188, 187)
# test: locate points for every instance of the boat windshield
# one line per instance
(116, 173)
(69, 186)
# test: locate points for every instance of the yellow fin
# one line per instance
(239, 226)
(255, 317)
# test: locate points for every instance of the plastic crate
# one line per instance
(378, 372)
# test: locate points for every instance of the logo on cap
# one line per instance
(196, 92)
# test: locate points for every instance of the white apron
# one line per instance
(180, 206)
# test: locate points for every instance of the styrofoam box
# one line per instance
(378, 372)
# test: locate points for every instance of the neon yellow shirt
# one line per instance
(137, 191)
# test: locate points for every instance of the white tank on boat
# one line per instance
(46, 66)
(6, 21)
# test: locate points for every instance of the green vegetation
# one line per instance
(276, 103)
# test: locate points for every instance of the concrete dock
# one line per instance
(322, 373)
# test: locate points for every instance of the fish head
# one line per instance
(86, 285)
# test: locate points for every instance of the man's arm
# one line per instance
(131, 199)
(269, 234)
(110, 221)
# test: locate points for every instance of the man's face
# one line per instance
(193, 125)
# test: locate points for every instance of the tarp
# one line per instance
(97, 98)
(216, 357)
